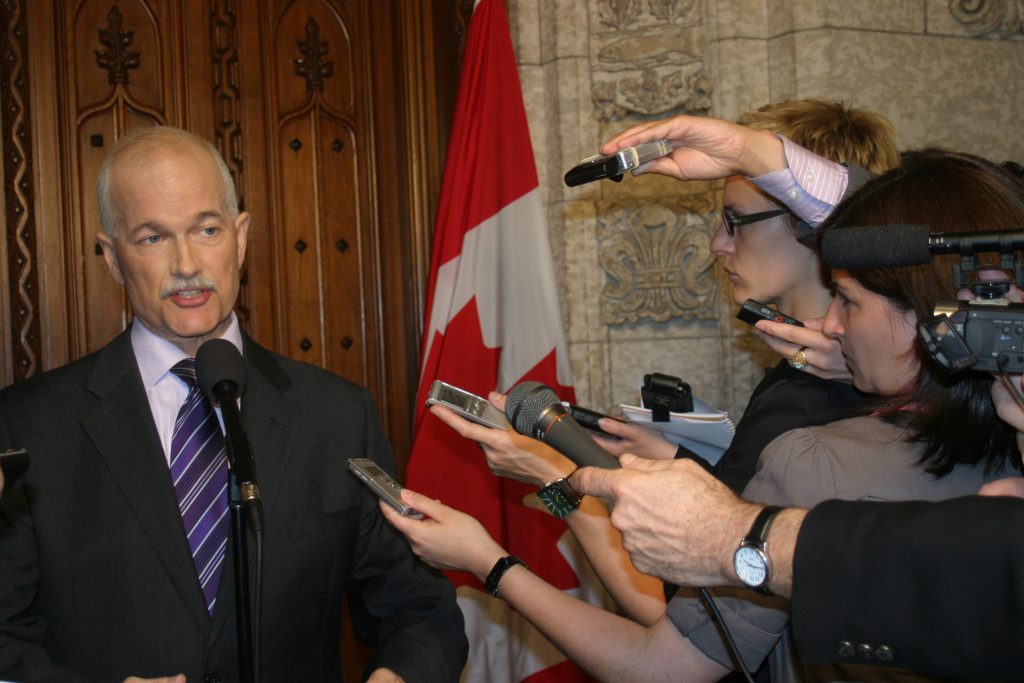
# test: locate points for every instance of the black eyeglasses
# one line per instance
(732, 222)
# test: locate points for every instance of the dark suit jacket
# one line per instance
(940, 585)
(96, 576)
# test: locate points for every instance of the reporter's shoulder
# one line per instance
(838, 437)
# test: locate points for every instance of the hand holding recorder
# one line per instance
(704, 148)
(448, 539)
(383, 484)
(509, 454)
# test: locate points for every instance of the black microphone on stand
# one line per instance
(534, 409)
(221, 375)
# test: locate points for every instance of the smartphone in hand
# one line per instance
(754, 311)
(466, 404)
(383, 484)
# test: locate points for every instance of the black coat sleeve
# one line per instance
(406, 610)
(932, 587)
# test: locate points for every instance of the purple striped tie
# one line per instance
(200, 474)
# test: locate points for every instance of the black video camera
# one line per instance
(664, 394)
(986, 334)
(981, 335)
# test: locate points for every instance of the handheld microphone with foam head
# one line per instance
(220, 373)
(534, 409)
(890, 246)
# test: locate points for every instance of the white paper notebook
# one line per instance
(706, 431)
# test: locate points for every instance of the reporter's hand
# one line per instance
(1014, 295)
(705, 148)
(824, 355)
(1010, 486)
(509, 454)
(635, 439)
(677, 521)
(1007, 407)
(447, 538)
(384, 675)
(180, 678)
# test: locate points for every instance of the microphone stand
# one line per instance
(244, 502)
(243, 614)
(221, 374)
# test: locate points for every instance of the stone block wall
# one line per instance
(640, 291)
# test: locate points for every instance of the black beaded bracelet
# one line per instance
(500, 567)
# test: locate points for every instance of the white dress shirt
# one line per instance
(166, 391)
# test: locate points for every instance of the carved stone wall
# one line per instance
(639, 290)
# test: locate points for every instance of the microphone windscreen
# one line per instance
(218, 360)
(525, 402)
(876, 246)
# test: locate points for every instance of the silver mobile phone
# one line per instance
(613, 166)
(381, 483)
(469, 406)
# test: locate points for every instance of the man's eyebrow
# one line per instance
(204, 215)
(145, 225)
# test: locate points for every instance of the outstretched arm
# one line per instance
(705, 148)
(609, 647)
(680, 523)
(533, 462)
(708, 149)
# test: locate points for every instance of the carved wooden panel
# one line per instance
(332, 116)
(321, 140)
(20, 309)
(118, 76)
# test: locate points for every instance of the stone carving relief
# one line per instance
(656, 260)
(649, 59)
(989, 18)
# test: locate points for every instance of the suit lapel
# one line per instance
(120, 425)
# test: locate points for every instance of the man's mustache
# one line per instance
(185, 284)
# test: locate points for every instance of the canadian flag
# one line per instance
(493, 321)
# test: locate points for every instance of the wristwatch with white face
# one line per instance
(751, 559)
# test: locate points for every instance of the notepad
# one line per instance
(706, 431)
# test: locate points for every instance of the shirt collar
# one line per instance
(156, 355)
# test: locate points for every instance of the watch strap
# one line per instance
(498, 571)
(762, 524)
(757, 537)
(559, 497)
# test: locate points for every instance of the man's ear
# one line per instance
(242, 235)
(110, 256)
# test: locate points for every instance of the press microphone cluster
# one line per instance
(534, 409)
(220, 373)
(889, 246)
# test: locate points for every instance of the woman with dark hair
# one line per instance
(934, 434)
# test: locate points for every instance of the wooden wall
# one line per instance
(333, 117)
